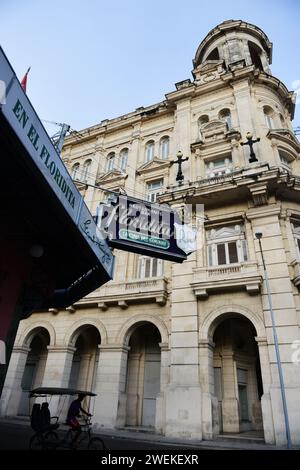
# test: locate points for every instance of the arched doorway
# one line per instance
(237, 376)
(86, 358)
(35, 367)
(143, 376)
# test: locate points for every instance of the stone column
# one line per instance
(245, 111)
(210, 418)
(110, 385)
(266, 408)
(84, 371)
(40, 370)
(57, 372)
(12, 390)
(133, 397)
(182, 134)
(160, 423)
(183, 393)
(230, 405)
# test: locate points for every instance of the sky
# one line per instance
(93, 60)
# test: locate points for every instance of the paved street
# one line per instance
(15, 435)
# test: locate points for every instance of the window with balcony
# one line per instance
(153, 189)
(149, 267)
(219, 167)
(164, 147)
(226, 245)
(123, 159)
(149, 151)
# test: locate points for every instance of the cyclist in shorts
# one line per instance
(73, 413)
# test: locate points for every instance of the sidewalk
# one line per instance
(220, 443)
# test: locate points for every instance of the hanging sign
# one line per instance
(145, 228)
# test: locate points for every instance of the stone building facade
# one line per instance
(187, 349)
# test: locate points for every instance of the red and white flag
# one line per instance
(24, 81)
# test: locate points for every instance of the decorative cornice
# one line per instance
(21, 349)
(111, 177)
(284, 136)
(113, 348)
(259, 193)
(153, 165)
(61, 349)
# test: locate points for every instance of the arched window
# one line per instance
(225, 115)
(75, 171)
(164, 147)
(269, 116)
(286, 160)
(204, 119)
(213, 55)
(255, 53)
(111, 157)
(149, 150)
(123, 159)
(86, 170)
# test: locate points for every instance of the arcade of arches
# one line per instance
(236, 384)
(82, 364)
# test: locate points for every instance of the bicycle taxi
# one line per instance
(46, 427)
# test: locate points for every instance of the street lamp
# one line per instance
(281, 381)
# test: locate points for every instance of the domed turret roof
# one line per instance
(228, 26)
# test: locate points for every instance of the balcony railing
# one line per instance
(237, 276)
(217, 179)
(124, 293)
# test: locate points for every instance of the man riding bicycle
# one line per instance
(74, 411)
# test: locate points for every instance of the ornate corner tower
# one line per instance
(254, 187)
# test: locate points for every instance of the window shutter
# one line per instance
(232, 251)
(245, 250)
(221, 253)
(210, 255)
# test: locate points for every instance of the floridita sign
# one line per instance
(142, 227)
(22, 118)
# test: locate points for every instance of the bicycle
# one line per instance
(46, 437)
(93, 442)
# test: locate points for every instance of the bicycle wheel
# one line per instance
(51, 440)
(96, 444)
(69, 439)
(36, 442)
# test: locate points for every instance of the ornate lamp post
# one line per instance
(250, 142)
(178, 162)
